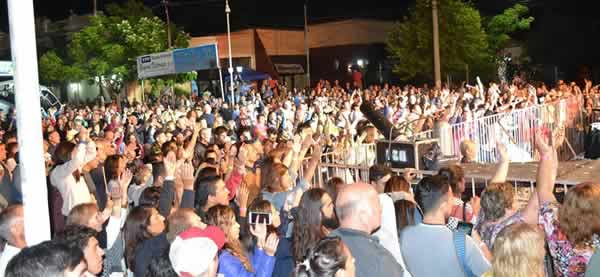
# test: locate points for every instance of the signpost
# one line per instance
(179, 61)
(157, 64)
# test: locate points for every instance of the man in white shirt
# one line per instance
(13, 232)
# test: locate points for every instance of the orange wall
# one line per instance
(291, 42)
(242, 44)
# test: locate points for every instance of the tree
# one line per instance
(53, 69)
(465, 38)
(500, 27)
(105, 52)
(462, 39)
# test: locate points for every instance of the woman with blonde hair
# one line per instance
(518, 251)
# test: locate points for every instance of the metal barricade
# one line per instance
(516, 130)
(474, 183)
(358, 156)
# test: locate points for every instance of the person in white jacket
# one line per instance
(387, 233)
(66, 176)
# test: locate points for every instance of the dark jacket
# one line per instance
(284, 260)
(155, 246)
(371, 258)
(147, 250)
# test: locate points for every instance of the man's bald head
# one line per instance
(358, 207)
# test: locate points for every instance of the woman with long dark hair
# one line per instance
(144, 229)
(233, 259)
(329, 258)
(144, 235)
(314, 220)
(404, 204)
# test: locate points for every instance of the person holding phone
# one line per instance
(234, 260)
(262, 211)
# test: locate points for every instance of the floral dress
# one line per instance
(568, 261)
(489, 231)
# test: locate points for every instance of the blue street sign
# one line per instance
(197, 58)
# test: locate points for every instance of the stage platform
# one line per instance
(569, 172)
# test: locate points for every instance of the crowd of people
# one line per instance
(201, 187)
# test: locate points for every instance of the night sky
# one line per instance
(565, 32)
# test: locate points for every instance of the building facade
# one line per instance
(335, 48)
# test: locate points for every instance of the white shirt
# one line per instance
(388, 232)
(8, 253)
(73, 192)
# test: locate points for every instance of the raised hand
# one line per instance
(242, 198)
(170, 162)
(297, 143)
(503, 153)
(186, 175)
(270, 245)
(83, 134)
(475, 203)
(559, 136)
(259, 231)
(125, 179)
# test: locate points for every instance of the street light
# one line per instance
(166, 4)
(230, 69)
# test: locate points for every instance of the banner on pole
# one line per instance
(157, 64)
(198, 58)
(178, 61)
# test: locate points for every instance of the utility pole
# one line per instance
(306, 46)
(166, 4)
(29, 123)
(230, 69)
(95, 7)
(436, 44)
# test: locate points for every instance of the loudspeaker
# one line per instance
(381, 123)
(404, 154)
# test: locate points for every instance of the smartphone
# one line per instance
(259, 217)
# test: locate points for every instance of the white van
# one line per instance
(47, 98)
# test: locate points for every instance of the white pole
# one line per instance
(29, 125)
(221, 80)
(230, 69)
(143, 92)
(306, 46)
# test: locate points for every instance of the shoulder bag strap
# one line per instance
(460, 248)
(464, 212)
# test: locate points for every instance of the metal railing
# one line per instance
(474, 183)
(516, 130)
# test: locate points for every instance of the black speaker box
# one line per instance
(404, 154)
